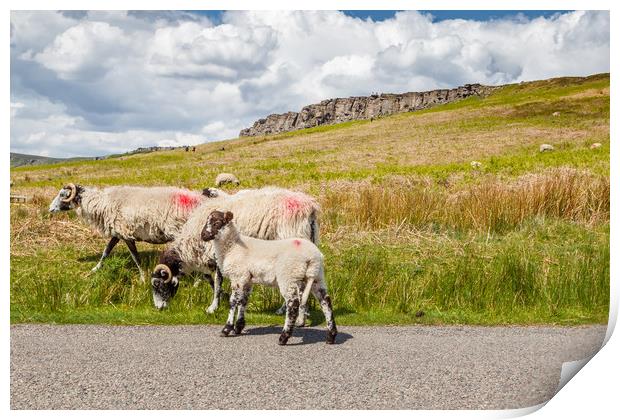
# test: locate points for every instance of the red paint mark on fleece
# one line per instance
(186, 201)
(292, 205)
(296, 242)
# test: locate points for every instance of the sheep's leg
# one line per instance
(243, 301)
(320, 292)
(109, 247)
(131, 244)
(234, 300)
(282, 310)
(217, 291)
(292, 311)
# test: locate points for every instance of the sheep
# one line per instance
(266, 213)
(294, 266)
(556, 114)
(596, 146)
(546, 148)
(475, 164)
(133, 214)
(225, 178)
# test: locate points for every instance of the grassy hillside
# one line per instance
(408, 225)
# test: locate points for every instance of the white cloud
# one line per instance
(102, 82)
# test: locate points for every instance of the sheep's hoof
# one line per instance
(331, 337)
(239, 326)
(226, 330)
(211, 309)
(283, 338)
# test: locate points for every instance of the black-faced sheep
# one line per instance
(132, 214)
(294, 266)
(266, 213)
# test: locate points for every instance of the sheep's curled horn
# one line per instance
(73, 189)
(165, 268)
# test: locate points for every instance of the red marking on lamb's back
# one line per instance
(186, 200)
(296, 242)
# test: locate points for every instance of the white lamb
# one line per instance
(266, 213)
(294, 266)
(148, 214)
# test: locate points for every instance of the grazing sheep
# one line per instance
(295, 266)
(475, 164)
(546, 148)
(596, 145)
(225, 178)
(133, 214)
(556, 114)
(266, 213)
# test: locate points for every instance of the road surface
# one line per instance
(191, 367)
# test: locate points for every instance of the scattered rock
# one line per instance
(596, 145)
(546, 148)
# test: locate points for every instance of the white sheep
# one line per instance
(226, 178)
(265, 213)
(596, 146)
(556, 114)
(294, 266)
(546, 148)
(148, 214)
(475, 164)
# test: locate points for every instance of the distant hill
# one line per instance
(20, 159)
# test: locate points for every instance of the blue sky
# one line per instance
(438, 15)
(92, 83)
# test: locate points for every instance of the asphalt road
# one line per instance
(191, 367)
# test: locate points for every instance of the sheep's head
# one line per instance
(68, 198)
(210, 192)
(216, 221)
(165, 278)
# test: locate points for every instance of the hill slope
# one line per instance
(407, 226)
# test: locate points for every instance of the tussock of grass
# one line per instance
(491, 205)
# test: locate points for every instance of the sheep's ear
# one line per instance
(228, 216)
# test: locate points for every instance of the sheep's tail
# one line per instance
(306, 294)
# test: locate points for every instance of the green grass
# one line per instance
(545, 272)
(407, 224)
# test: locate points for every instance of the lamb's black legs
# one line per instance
(326, 305)
(131, 244)
(292, 311)
(238, 298)
(109, 247)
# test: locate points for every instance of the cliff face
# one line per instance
(332, 111)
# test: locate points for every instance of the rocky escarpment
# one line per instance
(332, 111)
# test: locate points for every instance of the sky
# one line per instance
(95, 83)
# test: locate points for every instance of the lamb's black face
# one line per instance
(215, 222)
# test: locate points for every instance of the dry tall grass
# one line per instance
(492, 204)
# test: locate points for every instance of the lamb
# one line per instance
(149, 214)
(546, 148)
(266, 213)
(226, 178)
(295, 266)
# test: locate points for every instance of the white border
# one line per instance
(592, 393)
